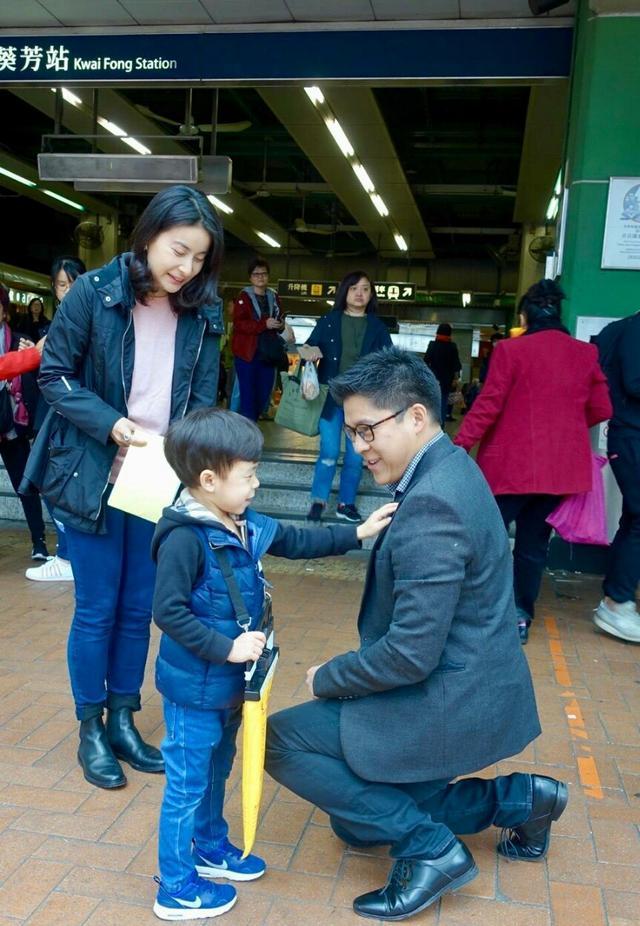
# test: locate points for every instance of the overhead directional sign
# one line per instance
(533, 52)
(321, 289)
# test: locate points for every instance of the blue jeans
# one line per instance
(62, 549)
(256, 384)
(198, 750)
(330, 441)
(109, 636)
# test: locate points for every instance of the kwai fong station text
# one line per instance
(124, 65)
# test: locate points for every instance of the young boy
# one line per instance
(203, 650)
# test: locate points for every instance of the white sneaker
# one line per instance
(54, 570)
(623, 622)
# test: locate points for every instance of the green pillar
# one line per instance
(603, 141)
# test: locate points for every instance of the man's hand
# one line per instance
(311, 674)
(125, 434)
(247, 647)
(377, 521)
(275, 324)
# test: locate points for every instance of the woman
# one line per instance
(346, 333)
(257, 343)
(37, 323)
(444, 362)
(133, 346)
(543, 392)
(18, 399)
(64, 272)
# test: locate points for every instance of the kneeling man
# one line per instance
(439, 686)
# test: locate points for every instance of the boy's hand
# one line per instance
(247, 647)
(377, 521)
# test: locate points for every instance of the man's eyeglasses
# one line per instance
(260, 273)
(366, 431)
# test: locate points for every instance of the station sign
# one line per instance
(321, 289)
(532, 52)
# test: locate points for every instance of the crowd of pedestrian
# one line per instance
(133, 352)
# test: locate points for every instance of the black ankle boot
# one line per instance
(99, 765)
(529, 842)
(128, 745)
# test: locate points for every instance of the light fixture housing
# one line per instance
(268, 239)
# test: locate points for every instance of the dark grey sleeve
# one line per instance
(180, 563)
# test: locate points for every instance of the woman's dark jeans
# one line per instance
(532, 543)
(109, 637)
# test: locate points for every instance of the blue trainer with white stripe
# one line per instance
(197, 900)
(225, 861)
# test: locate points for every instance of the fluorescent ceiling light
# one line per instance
(363, 177)
(111, 127)
(379, 203)
(552, 208)
(136, 145)
(558, 187)
(402, 244)
(10, 174)
(268, 239)
(223, 207)
(63, 199)
(315, 94)
(68, 96)
(339, 136)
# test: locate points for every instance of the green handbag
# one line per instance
(294, 411)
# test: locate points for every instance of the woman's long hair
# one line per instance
(541, 305)
(177, 205)
(350, 280)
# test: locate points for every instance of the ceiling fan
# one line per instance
(202, 128)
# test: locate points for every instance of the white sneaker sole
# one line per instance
(209, 872)
(47, 578)
(190, 913)
(604, 624)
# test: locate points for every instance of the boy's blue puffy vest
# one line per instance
(185, 678)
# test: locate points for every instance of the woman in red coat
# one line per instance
(532, 418)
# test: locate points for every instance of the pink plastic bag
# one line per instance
(582, 518)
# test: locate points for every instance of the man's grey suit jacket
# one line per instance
(440, 686)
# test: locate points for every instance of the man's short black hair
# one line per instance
(391, 379)
(256, 262)
(211, 438)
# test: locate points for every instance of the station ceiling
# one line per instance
(460, 167)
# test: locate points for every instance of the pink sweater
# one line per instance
(149, 402)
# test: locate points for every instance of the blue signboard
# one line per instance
(530, 52)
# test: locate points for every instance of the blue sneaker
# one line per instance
(197, 900)
(226, 862)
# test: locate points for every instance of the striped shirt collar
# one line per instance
(399, 488)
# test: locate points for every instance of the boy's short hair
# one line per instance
(211, 438)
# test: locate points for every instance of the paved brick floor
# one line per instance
(71, 854)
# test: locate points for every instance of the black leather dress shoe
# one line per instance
(343, 833)
(529, 842)
(128, 745)
(99, 765)
(415, 884)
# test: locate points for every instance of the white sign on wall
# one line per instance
(621, 244)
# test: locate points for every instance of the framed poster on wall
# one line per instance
(621, 243)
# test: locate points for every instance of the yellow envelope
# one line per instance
(146, 483)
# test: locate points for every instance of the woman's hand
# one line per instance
(25, 344)
(377, 521)
(275, 323)
(247, 647)
(126, 434)
(310, 353)
(288, 334)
